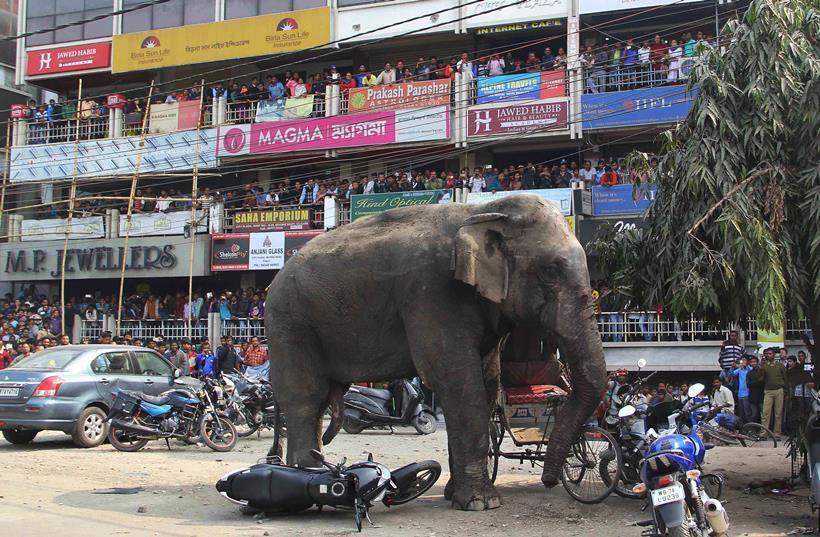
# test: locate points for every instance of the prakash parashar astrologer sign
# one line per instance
(367, 204)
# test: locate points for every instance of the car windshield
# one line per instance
(55, 359)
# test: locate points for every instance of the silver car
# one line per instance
(69, 389)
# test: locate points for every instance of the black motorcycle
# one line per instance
(249, 402)
(187, 412)
(401, 405)
(275, 487)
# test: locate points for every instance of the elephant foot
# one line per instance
(473, 498)
(549, 477)
(449, 488)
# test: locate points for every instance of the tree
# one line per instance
(735, 227)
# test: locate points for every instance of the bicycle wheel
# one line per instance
(711, 433)
(494, 449)
(628, 475)
(581, 474)
(754, 434)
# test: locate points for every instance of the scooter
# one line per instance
(367, 408)
(275, 487)
(671, 474)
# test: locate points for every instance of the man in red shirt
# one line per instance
(609, 178)
(255, 355)
(657, 57)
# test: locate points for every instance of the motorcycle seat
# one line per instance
(384, 395)
(537, 393)
(154, 400)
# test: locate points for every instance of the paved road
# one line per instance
(49, 488)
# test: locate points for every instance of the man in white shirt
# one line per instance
(163, 202)
(722, 397)
(477, 183)
(643, 62)
(588, 174)
(369, 185)
(465, 66)
(387, 76)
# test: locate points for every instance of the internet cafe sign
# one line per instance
(90, 259)
(367, 204)
(273, 220)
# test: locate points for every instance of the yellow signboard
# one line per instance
(571, 221)
(216, 41)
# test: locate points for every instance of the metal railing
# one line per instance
(170, 329)
(625, 77)
(65, 130)
(90, 330)
(243, 329)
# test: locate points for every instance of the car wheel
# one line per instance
(19, 436)
(90, 430)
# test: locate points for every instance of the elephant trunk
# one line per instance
(583, 353)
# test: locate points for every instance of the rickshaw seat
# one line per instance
(536, 393)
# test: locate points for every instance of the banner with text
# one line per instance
(367, 204)
(645, 106)
(273, 220)
(622, 199)
(397, 96)
(172, 117)
(355, 130)
(113, 156)
(155, 224)
(256, 251)
(522, 87)
(280, 109)
(538, 118)
(560, 197)
(73, 59)
(53, 229)
(226, 40)
(590, 229)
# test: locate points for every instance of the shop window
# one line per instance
(168, 15)
(235, 9)
(42, 14)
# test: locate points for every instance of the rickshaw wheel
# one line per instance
(494, 449)
(580, 474)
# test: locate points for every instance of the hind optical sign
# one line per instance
(217, 41)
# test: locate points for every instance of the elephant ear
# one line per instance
(478, 259)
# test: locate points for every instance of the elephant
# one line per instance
(431, 291)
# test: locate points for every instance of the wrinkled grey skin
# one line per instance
(432, 290)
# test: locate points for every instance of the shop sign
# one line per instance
(535, 118)
(355, 130)
(89, 259)
(521, 87)
(113, 156)
(273, 220)
(498, 12)
(53, 229)
(560, 197)
(170, 223)
(527, 25)
(622, 199)
(256, 251)
(72, 59)
(589, 229)
(397, 96)
(645, 106)
(172, 117)
(19, 111)
(367, 204)
(282, 109)
(218, 41)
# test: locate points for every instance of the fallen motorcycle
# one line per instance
(275, 487)
(187, 411)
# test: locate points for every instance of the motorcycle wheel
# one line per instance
(243, 423)
(125, 441)
(352, 427)
(627, 479)
(425, 475)
(222, 438)
(425, 423)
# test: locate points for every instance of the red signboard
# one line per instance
(19, 111)
(525, 118)
(553, 84)
(116, 100)
(68, 59)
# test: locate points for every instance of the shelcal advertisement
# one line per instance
(256, 251)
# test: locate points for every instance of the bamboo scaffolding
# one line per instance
(194, 192)
(131, 204)
(72, 194)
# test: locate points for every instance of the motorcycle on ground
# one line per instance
(272, 486)
(186, 412)
(671, 478)
(401, 405)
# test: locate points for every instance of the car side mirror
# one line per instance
(695, 390)
(641, 363)
(626, 411)
(177, 373)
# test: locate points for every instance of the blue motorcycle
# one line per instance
(670, 473)
(187, 412)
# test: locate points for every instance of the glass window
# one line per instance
(308, 4)
(55, 359)
(42, 14)
(274, 6)
(235, 9)
(151, 364)
(136, 21)
(168, 15)
(112, 363)
(199, 11)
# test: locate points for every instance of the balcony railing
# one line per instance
(620, 78)
(66, 130)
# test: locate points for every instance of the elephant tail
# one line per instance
(337, 409)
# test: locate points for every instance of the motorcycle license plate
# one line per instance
(668, 495)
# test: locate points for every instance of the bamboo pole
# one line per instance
(194, 197)
(131, 205)
(71, 195)
(6, 164)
